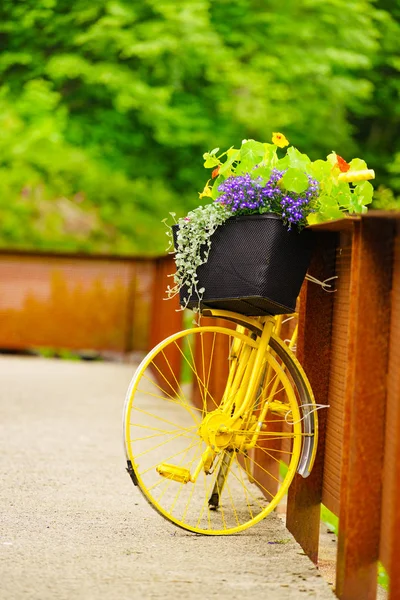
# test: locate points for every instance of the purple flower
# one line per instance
(244, 194)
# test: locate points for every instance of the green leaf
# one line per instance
(314, 219)
(298, 160)
(294, 180)
(215, 193)
(325, 200)
(210, 161)
(251, 154)
(332, 158)
(232, 157)
(264, 172)
(329, 214)
(283, 163)
(264, 209)
(361, 196)
(320, 169)
(364, 191)
(357, 164)
(252, 150)
(341, 194)
(270, 157)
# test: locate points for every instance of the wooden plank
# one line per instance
(166, 320)
(363, 439)
(211, 356)
(166, 316)
(131, 308)
(33, 252)
(39, 295)
(315, 322)
(337, 226)
(143, 273)
(337, 376)
(390, 528)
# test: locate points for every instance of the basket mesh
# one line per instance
(255, 266)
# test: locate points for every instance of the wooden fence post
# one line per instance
(166, 319)
(313, 351)
(131, 301)
(220, 366)
(390, 526)
(365, 396)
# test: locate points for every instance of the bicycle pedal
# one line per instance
(173, 472)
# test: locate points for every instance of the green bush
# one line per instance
(104, 113)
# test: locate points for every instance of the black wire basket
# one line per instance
(255, 267)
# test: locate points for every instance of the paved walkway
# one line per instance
(73, 527)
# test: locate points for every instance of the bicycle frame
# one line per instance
(310, 423)
(232, 425)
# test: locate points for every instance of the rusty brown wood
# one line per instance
(40, 295)
(337, 375)
(34, 253)
(390, 527)
(131, 301)
(209, 351)
(166, 320)
(364, 410)
(313, 351)
(143, 273)
(266, 467)
(166, 316)
(338, 225)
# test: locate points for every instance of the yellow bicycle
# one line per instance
(214, 439)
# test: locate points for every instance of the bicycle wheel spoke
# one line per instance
(153, 416)
(180, 488)
(240, 469)
(210, 362)
(163, 432)
(193, 487)
(232, 504)
(274, 450)
(245, 492)
(205, 501)
(267, 473)
(168, 398)
(157, 446)
(160, 372)
(200, 381)
(169, 439)
(168, 458)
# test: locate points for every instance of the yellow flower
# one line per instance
(279, 140)
(207, 192)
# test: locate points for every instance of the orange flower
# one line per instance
(215, 172)
(279, 140)
(342, 164)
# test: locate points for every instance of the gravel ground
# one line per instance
(74, 527)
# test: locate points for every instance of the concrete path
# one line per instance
(73, 527)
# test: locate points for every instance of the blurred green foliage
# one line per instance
(106, 108)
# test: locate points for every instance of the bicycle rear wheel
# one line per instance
(164, 442)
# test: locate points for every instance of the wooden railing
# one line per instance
(349, 345)
(83, 302)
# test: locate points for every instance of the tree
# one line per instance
(110, 105)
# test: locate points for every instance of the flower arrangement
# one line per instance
(260, 178)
